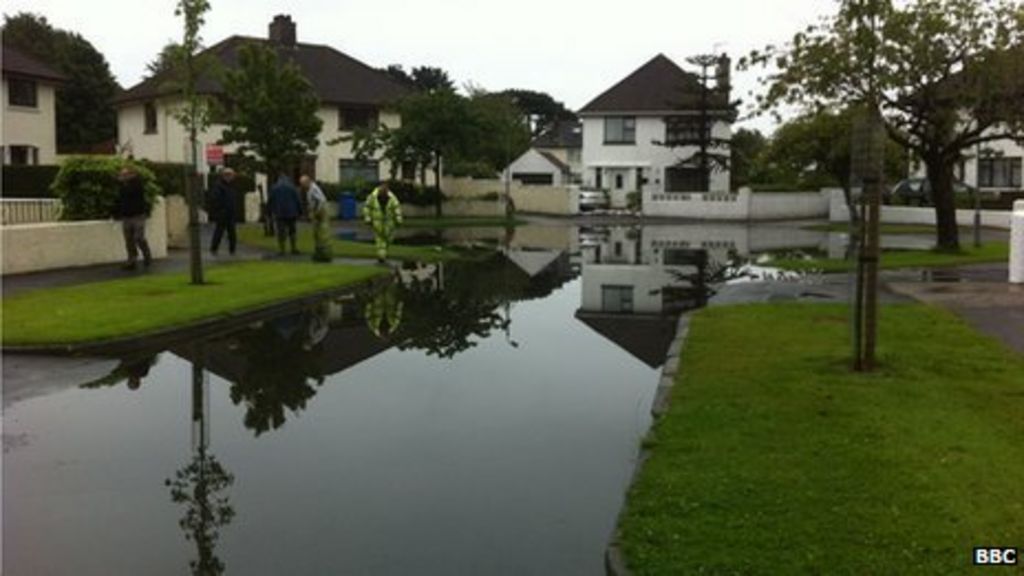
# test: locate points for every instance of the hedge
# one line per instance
(407, 192)
(28, 181)
(88, 186)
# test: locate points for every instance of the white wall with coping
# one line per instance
(740, 206)
(552, 200)
(25, 126)
(54, 245)
(839, 212)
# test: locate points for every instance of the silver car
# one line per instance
(593, 200)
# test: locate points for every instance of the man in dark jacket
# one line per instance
(133, 211)
(222, 211)
(286, 207)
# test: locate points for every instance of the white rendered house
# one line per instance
(995, 166)
(29, 110)
(352, 94)
(624, 126)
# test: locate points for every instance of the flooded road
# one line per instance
(472, 418)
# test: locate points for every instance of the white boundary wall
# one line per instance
(838, 212)
(53, 245)
(1017, 244)
(739, 206)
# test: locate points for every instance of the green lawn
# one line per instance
(462, 222)
(253, 235)
(988, 252)
(775, 459)
(144, 304)
(893, 229)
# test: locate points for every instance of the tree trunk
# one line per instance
(940, 176)
(437, 182)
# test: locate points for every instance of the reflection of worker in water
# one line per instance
(383, 213)
(318, 324)
(384, 312)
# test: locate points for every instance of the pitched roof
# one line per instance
(646, 338)
(336, 77)
(564, 134)
(657, 86)
(554, 160)
(21, 64)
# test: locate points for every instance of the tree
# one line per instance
(746, 149)
(169, 58)
(85, 111)
(397, 73)
(497, 133)
(431, 79)
(272, 112)
(540, 108)
(941, 73)
(194, 117)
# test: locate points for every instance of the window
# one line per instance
(620, 182)
(350, 119)
(685, 131)
(367, 171)
(409, 171)
(150, 118)
(682, 179)
(620, 130)
(21, 92)
(617, 299)
(999, 173)
(24, 155)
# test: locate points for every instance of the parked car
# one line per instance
(593, 200)
(918, 191)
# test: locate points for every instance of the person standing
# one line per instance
(286, 208)
(320, 216)
(223, 211)
(133, 211)
(383, 213)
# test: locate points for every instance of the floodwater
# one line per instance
(471, 418)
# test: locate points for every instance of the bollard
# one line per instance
(1017, 243)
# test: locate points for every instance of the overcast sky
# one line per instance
(572, 49)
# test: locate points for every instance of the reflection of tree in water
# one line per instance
(132, 370)
(281, 358)
(198, 487)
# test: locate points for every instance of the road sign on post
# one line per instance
(214, 155)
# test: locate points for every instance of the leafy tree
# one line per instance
(940, 72)
(746, 148)
(169, 58)
(542, 110)
(497, 134)
(431, 79)
(397, 73)
(272, 111)
(85, 111)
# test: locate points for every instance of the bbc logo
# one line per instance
(995, 556)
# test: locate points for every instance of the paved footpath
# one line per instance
(981, 295)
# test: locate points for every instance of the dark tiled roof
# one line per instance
(564, 134)
(19, 63)
(657, 86)
(647, 338)
(554, 160)
(336, 77)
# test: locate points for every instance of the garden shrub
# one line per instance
(88, 186)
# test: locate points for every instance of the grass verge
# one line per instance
(145, 304)
(253, 236)
(775, 459)
(463, 222)
(988, 252)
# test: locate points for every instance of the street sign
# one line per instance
(214, 155)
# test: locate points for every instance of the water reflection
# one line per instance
(200, 486)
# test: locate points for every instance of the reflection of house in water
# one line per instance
(633, 288)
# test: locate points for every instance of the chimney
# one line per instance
(282, 30)
(723, 74)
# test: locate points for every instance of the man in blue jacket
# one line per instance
(222, 211)
(286, 207)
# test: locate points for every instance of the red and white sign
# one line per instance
(214, 155)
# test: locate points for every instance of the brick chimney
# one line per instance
(282, 30)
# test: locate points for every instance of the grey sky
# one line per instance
(572, 49)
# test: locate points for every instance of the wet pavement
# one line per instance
(469, 418)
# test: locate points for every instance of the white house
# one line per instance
(352, 95)
(554, 157)
(624, 128)
(539, 167)
(994, 167)
(29, 110)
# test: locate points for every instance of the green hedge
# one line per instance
(28, 181)
(407, 192)
(88, 186)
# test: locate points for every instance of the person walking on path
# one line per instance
(286, 208)
(132, 210)
(383, 213)
(223, 212)
(320, 216)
